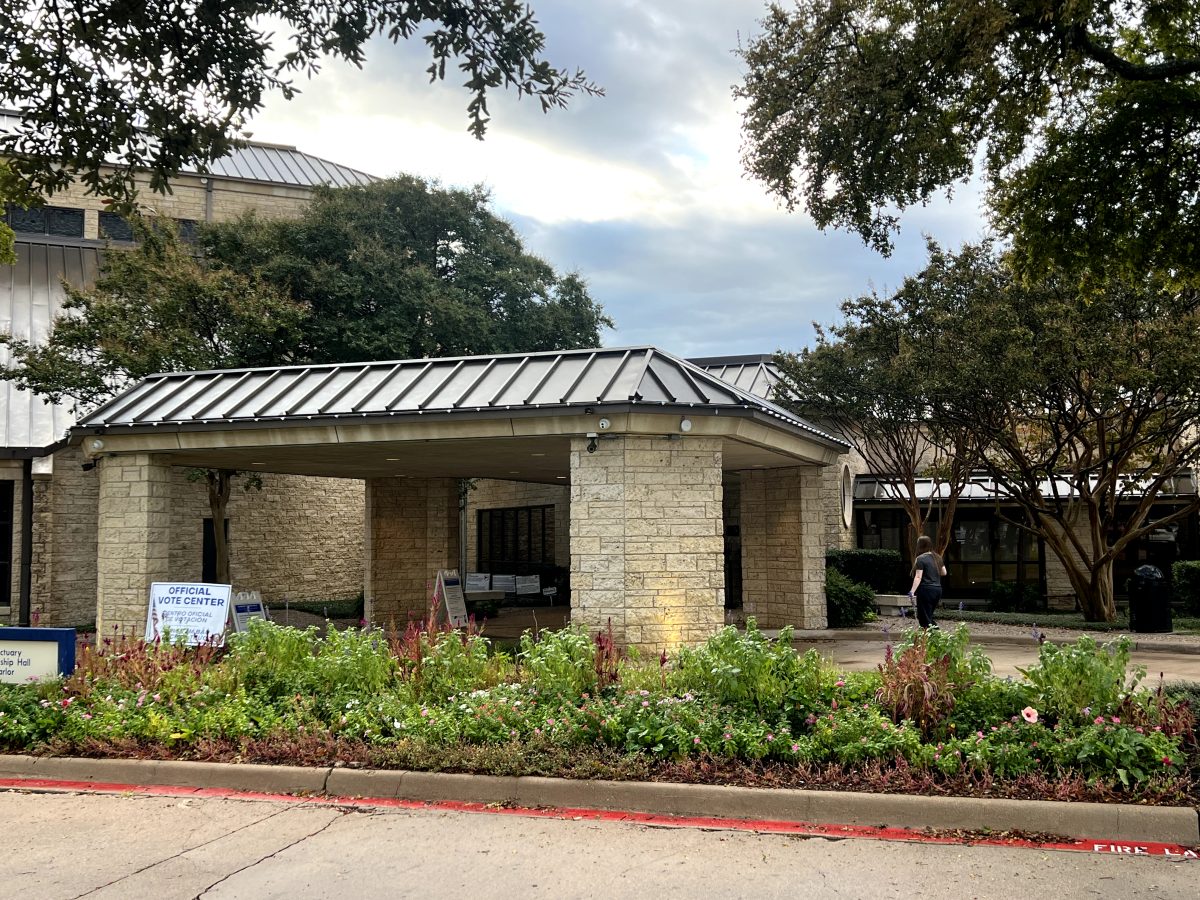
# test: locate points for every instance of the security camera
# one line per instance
(604, 424)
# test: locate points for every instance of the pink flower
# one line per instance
(1116, 721)
(770, 737)
(1166, 760)
(795, 748)
(839, 684)
(695, 740)
(1029, 714)
(1099, 720)
(728, 735)
(645, 703)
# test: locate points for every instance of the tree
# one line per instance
(1084, 405)
(405, 269)
(1086, 116)
(8, 254)
(110, 89)
(866, 378)
(158, 308)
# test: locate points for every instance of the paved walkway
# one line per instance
(127, 847)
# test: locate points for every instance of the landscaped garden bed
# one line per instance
(741, 709)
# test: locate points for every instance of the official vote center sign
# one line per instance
(196, 610)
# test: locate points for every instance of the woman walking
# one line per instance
(927, 572)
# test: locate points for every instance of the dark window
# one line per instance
(209, 565)
(187, 229)
(59, 221)
(515, 541)
(115, 227)
(6, 541)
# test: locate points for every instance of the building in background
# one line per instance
(298, 538)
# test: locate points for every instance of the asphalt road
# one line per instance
(128, 846)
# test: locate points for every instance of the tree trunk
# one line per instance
(219, 483)
(1094, 589)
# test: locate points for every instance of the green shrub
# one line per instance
(988, 701)
(847, 602)
(1074, 683)
(561, 663)
(273, 661)
(453, 664)
(1185, 585)
(967, 664)
(883, 570)
(750, 671)
(1012, 597)
(916, 685)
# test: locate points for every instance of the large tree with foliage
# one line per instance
(1084, 404)
(110, 89)
(158, 308)
(406, 269)
(866, 377)
(1086, 114)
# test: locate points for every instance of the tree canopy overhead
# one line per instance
(403, 268)
(1086, 114)
(161, 85)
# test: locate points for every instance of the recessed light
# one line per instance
(561, 477)
(514, 472)
(537, 454)
(393, 459)
(258, 464)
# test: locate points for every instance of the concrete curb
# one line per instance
(1010, 640)
(1089, 821)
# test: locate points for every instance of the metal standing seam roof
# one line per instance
(636, 376)
(269, 163)
(756, 374)
(31, 296)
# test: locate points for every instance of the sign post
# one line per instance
(247, 605)
(449, 591)
(196, 610)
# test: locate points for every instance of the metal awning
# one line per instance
(980, 488)
(637, 378)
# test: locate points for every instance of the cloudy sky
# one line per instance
(641, 191)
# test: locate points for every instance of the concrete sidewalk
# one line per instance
(1091, 821)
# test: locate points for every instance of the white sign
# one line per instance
(247, 605)
(21, 661)
(196, 610)
(450, 592)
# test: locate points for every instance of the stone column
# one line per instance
(133, 539)
(647, 549)
(783, 547)
(411, 532)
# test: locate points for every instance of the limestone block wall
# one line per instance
(839, 533)
(65, 542)
(646, 539)
(133, 539)
(783, 547)
(10, 470)
(1059, 592)
(299, 538)
(492, 493)
(189, 199)
(411, 532)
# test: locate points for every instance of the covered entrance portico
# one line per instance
(642, 438)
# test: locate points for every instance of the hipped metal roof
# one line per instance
(31, 295)
(640, 377)
(268, 163)
(756, 374)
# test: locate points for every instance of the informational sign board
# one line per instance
(450, 592)
(36, 654)
(196, 610)
(247, 605)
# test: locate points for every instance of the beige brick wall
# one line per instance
(494, 494)
(412, 531)
(133, 539)
(188, 200)
(10, 470)
(837, 533)
(783, 547)
(1059, 592)
(646, 539)
(296, 539)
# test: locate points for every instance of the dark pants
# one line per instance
(928, 597)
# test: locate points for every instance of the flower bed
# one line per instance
(741, 708)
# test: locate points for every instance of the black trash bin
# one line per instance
(1149, 601)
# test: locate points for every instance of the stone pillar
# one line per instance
(411, 532)
(646, 539)
(133, 539)
(783, 547)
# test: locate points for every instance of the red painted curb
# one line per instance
(766, 826)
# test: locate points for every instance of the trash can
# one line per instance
(1149, 601)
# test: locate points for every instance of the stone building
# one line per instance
(296, 538)
(629, 449)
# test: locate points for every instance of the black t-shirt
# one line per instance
(931, 569)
